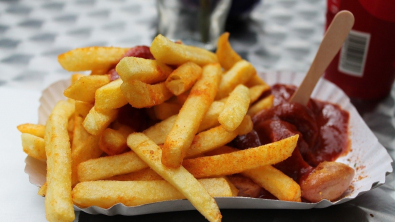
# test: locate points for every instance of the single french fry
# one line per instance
(134, 193)
(246, 126)
(146, 174)
(257, 91)
(276, 182)
(58, 202)
(143, 95)
(112, 142)
(240, 73)
(227, 57)
(145, 70)
(242, 160)
(43, 190)
(33, 146)
(235, 108)
(85, 87)
(255, 80)
(165, 110)
(76, 77)
(83, 151)
(91, 58)
(171, 53)
(263, 104)
(183, 78)
(96, 121)
(82, 108)
(34, 129)
(106, 167)
(215, 137)
(110, 96)
(79, 132)
(180, 178)
(191, 114)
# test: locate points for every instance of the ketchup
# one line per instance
(322, 129)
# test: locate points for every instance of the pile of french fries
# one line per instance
(199, 100)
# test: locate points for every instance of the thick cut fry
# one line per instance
(227, 57)
(110, 96)
(183, 181)
(112, 142)
(134, 193)
(34, 129)
(146, 174)
(257, 91)
(240, 73)
(191, 114)
(76, 77)
(33, 146)
(211, 117)
(171, 53)
(83, 151)
(276, 182)
(91, 58)
(79, 132)
(82, 108)
(235, 108)
(58, 202)
(143, 95)
(263, 104)
(85, 87)
(236, 162)
(183, 78)
(255, 80)
(166, 109)
(96, 121)
(146, 70)
(215, 137)
(106, 167)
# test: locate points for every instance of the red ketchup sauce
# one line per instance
(322, 129)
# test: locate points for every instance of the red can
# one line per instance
(365, 66)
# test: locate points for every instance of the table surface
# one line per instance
(278, 35)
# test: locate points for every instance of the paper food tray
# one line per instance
(368, 157)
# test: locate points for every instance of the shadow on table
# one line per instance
(376, 205)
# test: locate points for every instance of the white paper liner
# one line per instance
(368, 157)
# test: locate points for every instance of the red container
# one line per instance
(365, 66)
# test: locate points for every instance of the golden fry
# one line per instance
(82, 108)
(33, 146)
(110, 96)
(191, 114)
(145, 70)
(227, 57)
(134, 193)
(91, 58)
(235, 108)
(34, 129)
(112, 142)
(263, 104)
(257, 91)
(96, 121)
(85, 87)
(171, 53)
(58, 202)
(236, 162)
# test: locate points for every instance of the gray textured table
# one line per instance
(279, 35)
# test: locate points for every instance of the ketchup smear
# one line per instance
(322, 129)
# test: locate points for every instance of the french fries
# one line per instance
(58, 201)
(91, 58)
(191, 114)
(180, 178)
(171, 53)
